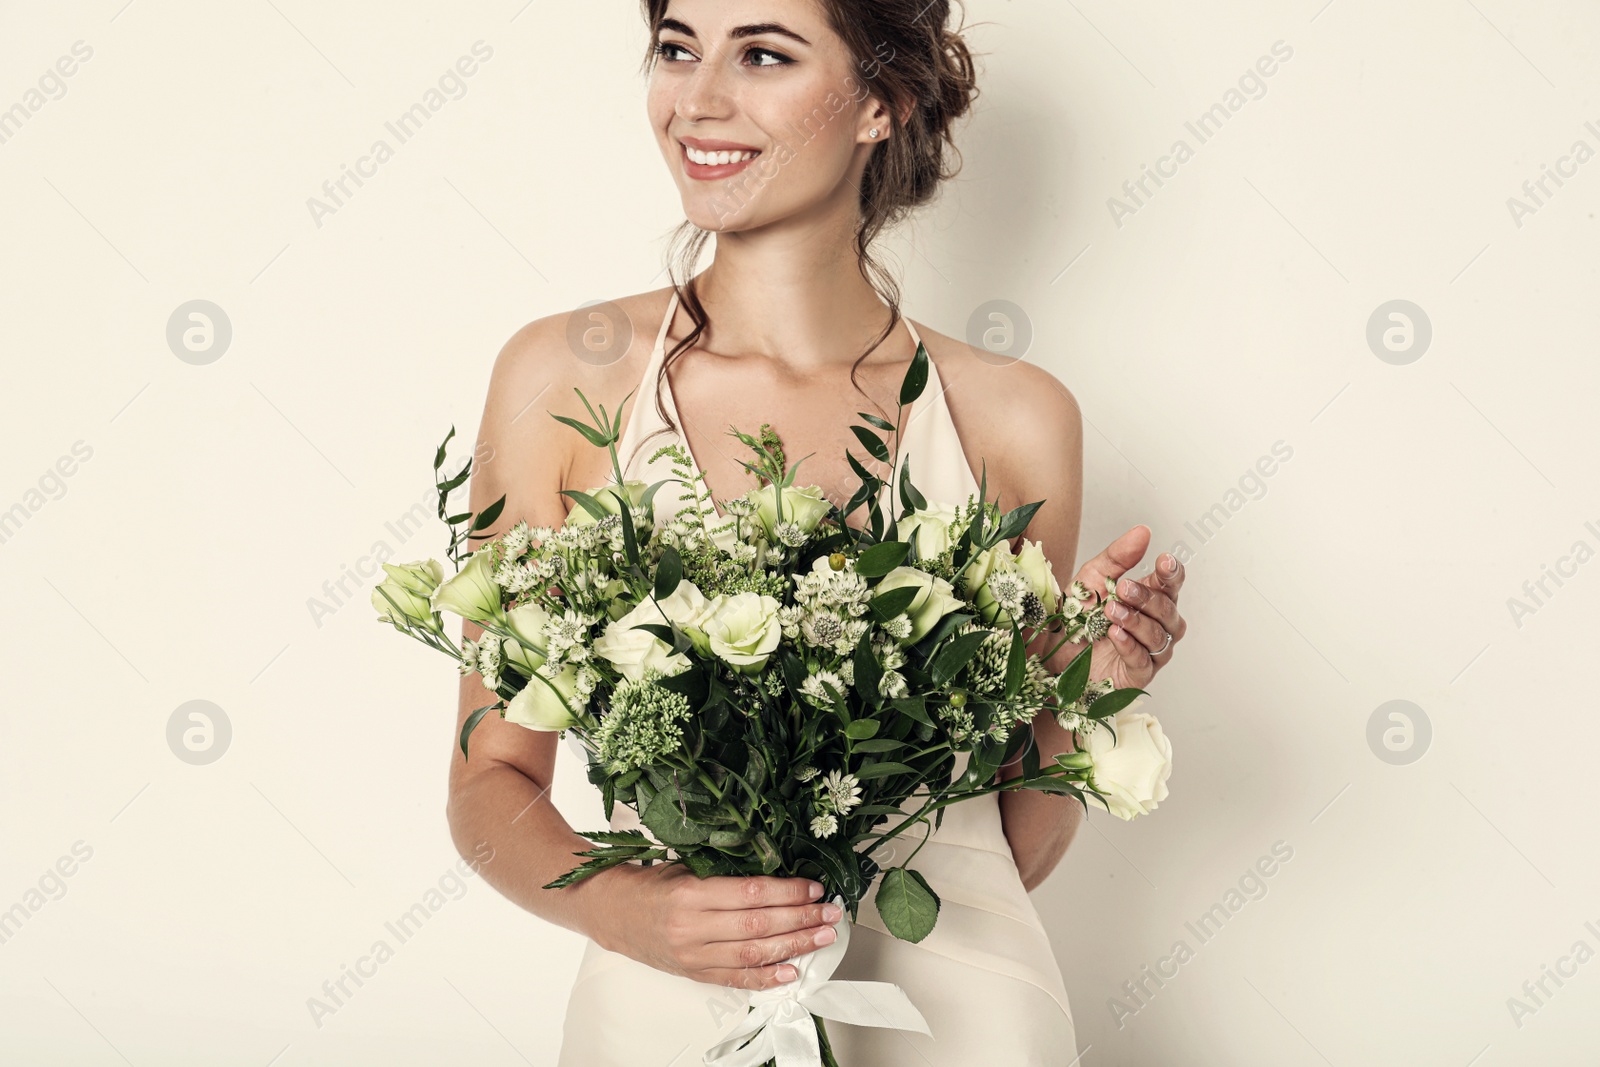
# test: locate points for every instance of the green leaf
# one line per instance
(913, 500)
(868, 671)
(878, 421)
(487, 516)
(1075, 679)
(880, 559)
(630, 542)
(1030, 754)
(730, 838)
(594, 436)
(861, 729)
(886, 606)
(1052, 785)
(766, 852)
(908, 905)
(472, 724)
(881, 744)
(589, 503)
(878, 809)
(619, 837)
(1114, 701)
(915, 707)
(1016, 520)
(954, 656)
(916, 378)
(668, 572)
(438, 457)
(875, 769)
(871, 442)
(666, 820)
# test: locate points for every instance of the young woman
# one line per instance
(796, 131)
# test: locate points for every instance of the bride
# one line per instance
(796, 131)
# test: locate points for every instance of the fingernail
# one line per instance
(787, 973)
(1116, 610)
(831, 913)
(816, 890)
(826, 935)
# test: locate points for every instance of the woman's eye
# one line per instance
(781, 59)
(669, 51)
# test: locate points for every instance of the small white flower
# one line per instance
(825, 825)
(815, 688)
(805, 774)
(844, 791)
(515, 540)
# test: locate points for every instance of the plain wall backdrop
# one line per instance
(1363, 522)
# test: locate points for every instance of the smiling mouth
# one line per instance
(718, 159)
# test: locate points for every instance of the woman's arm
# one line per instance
(499, 799)
(1043, 461)
(722, 930)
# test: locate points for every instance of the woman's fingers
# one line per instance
(755, 923)
(768, 951)
(749, 977)
(1148, 632)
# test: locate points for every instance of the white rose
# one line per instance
(689, 608)
(1032, 564)
(745, 631)
(631, 650)
(934, 600)
(803, 504)
(1132, 771)
(537, 707)
(929, 528)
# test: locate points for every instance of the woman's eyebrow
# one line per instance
(753, 30)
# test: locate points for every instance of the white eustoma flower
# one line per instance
(537, 707)
(472, 592)
(804, 505)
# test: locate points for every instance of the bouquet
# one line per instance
(775, 692)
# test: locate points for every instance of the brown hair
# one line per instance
(905, 54)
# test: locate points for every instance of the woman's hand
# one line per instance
(724, 930)
(1136, 646)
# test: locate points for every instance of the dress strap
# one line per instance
(915, 337)
(666, 323)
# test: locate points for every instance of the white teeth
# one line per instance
(716, 159)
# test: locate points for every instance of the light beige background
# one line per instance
(1229, 313)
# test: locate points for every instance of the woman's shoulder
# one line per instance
(1003, 394)
(594, 338)
(599, 347)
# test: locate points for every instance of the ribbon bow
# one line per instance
(782, 1015)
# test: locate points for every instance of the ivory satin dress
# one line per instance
(986, 979)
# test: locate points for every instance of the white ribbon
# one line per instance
(782, 1015)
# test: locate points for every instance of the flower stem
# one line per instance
(828, 1059)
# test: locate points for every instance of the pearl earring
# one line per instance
(873, 132)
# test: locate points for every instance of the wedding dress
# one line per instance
(986, 979)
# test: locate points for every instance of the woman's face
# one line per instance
(768, 79)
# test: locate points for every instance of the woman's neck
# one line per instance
(801, 301)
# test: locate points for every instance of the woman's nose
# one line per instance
(707, 92)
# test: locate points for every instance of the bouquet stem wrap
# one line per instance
(780, 1018)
